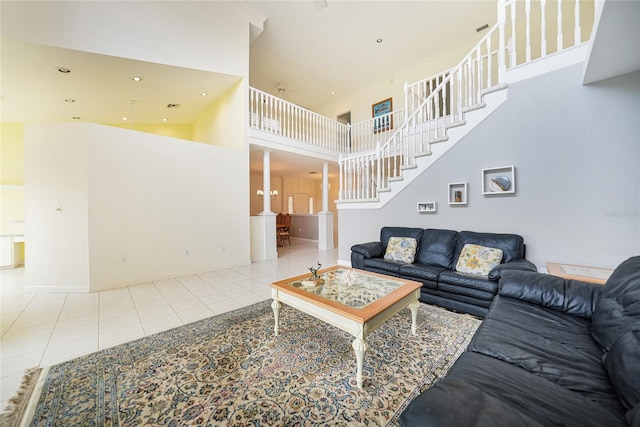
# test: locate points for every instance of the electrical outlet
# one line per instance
(186, 252)
(223, 248)
(123, 259)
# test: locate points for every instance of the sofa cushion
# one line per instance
(387, 232)
(480, 260)
(548, 343)
(476, 408)
(512, 245)
(623, 365)
(381, 265)
(421, 271)
(618, 310)
(470, 281)
(401, 249)
(437, 247)
(548, 403)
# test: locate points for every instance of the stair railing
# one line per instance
(438, 103)
(371, 133)
(363, 175)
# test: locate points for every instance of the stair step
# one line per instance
(473, 107)
(373, 199)
(495, 88)
(456, 124)
(439, 139)
(407, 167)
(395, 178)
(384, 190)
(423, 154)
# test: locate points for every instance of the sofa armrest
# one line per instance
(369, 250)
(365, 250)
(568, 296)
(517, 264)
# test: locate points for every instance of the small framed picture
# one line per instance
(430, 207)
(382, 113)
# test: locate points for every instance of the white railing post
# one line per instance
(527, 12)
(560, 41)
(502, 65)
(578, 32)
(543, 28)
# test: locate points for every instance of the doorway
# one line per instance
(345, 119)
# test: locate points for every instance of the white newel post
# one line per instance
(325, 217)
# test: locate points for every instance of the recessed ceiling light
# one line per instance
(165, 119)
(125, 118)
(136, 78)
(69, 100)
(203, 94)
(64, 70)
(333, 92)
(378, 40)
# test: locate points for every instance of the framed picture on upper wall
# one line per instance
(382, 115)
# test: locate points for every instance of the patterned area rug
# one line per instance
(230, 370)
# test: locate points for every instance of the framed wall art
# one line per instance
(382, 115)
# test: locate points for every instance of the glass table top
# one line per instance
(353, 288)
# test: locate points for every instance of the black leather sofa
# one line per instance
(435, 261)
(550, 352)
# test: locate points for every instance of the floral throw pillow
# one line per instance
(475, 259)
(402, 249)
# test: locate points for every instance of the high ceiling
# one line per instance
(311, 48)
(313, 51)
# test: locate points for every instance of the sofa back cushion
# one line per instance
(622, 363)
(618, 310)
(512, 245)
(437, 247)
(387, 232)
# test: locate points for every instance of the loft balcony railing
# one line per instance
(374, 152)
(271, 114)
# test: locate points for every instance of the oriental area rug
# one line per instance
(230, 370)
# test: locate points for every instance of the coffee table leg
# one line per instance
(414, 315)
(360, 346)
(275, 305)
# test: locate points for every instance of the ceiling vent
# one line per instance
(173, 105)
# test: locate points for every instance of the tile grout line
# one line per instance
(46, 347)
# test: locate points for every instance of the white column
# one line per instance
(325, 218)
(325, 187)
(266, 183)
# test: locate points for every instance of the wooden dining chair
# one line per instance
(284, 232)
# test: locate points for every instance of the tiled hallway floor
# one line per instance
(43, 329)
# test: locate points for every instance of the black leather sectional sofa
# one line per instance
(550, 352)
(435, 261)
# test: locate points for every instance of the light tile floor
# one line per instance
(43, 329)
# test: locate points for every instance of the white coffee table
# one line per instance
(355, 301)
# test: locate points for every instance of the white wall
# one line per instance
(577, 157)
(140, 196)
(56, 177)
(393, 86)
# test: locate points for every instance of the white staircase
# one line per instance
(381, 156)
